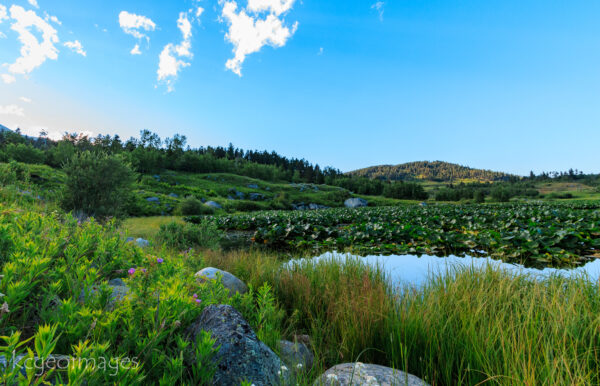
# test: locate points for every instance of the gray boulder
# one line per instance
(296, 356)
(313, 206)
(256, 197)
(213, 204)
(232, 283)
(242, 357)
(119, 291)
(140, 242)
(253, 186)
(155, 200)
(355, 203)
(362, 374)
(174, 195)
(129, 240)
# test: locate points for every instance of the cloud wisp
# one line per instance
(136, 26)
(379, 7)
(174, 57)
(249, 31)
(76, 46)
(12, 110)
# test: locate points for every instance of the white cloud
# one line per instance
(199, 12)
(33, 3)
(25, 99)
(33, 52)
(171, 59)
(136, 25)
(320, 51)
(249, 34)
(8, 79)
(276, 7)
(379, 6)
(12, 110)
(136, 50)
(76, 47)
(53, 19)
(3, 14)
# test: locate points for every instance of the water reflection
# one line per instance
(414, 270)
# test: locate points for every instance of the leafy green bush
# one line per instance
(182, 236)
(97, 185)
(25, 153)
(191, 206)
(11, 173)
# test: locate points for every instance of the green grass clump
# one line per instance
(469, 326)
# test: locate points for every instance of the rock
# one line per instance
(316, 206)
(268, 189)
(203, 200)
(155, 200)
(256, 197)
(140, 242)
(299, 206)
(423, 204)
(296, 355)
(119, 291)
(362, 374)
(355, 203)
(213, 204)
(253, 186)
(238, 195)
(156, 177)
(129, 240)
(242, 357)
(232, 283)
(173, 195)
(24, 192)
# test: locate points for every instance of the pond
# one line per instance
(414, 270)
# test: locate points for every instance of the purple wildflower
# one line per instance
(159, 260)
(195, 296)
(131, 271)
(198, 301)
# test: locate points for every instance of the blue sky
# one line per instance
(505, 85)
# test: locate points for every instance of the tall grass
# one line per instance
(467, 326)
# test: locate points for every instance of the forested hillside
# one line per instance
(429, 171)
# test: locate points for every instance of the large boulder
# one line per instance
(154, 200)
(256, 197)
(119, 291)
(241, 357)
(296, 355)
(354, 374)
(142, 243)
(213, 204)
(253, 186)
(232, 283)
(355, 203)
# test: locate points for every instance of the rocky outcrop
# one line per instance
(230, 282)
(355, 203)
(142, 243)
(355, 374)
(154, 200)
(242, 356)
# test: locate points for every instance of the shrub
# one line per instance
(191, 206)
(25, 153)
(97, 185)
(12, 172)
(205, 234)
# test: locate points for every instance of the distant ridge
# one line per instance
(4, 128)
(429, 171)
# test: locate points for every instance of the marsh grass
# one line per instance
(465, 326)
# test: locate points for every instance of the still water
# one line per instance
(414, 270)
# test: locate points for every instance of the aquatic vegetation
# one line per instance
(539, 234)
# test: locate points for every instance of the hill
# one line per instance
(429, 171)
